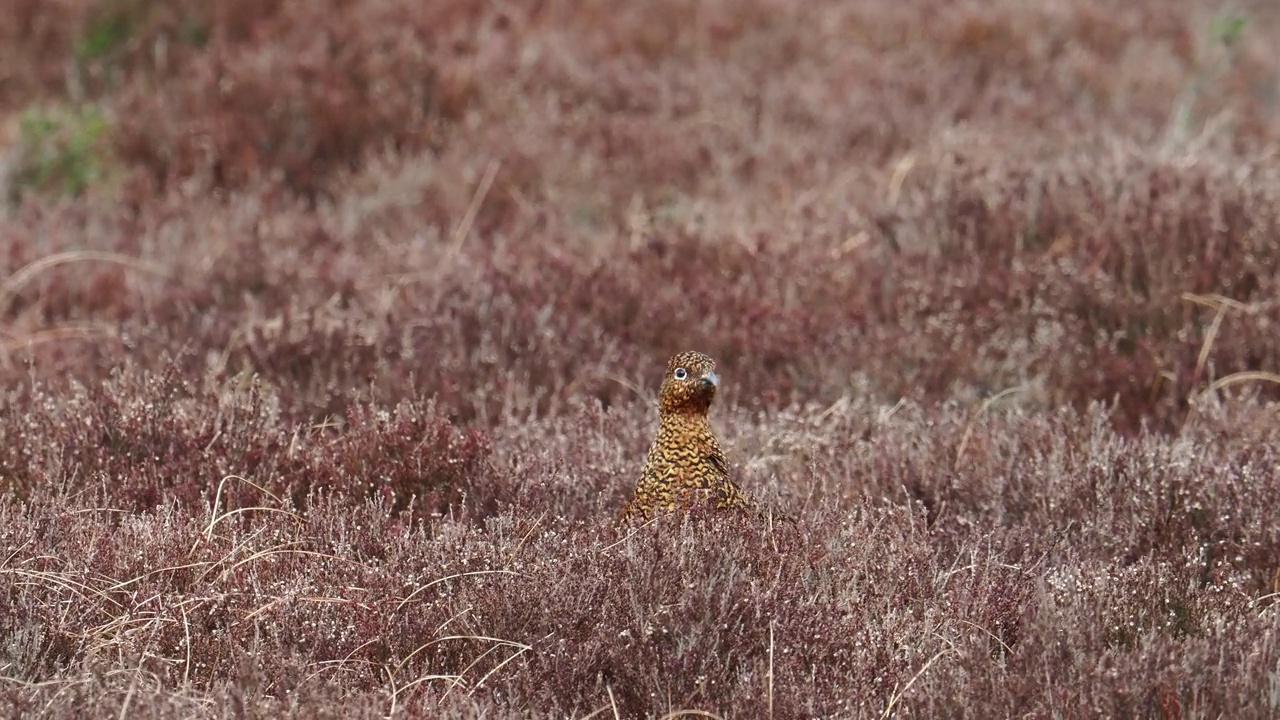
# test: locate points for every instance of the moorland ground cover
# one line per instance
(332, 331)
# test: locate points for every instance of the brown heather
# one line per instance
(319, 398)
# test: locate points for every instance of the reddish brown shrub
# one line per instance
(323, 404)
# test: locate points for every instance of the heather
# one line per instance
(332, 333)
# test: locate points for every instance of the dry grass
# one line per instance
(321, 406)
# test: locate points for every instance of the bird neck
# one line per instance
(684, 423)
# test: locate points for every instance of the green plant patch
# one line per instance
(109, 28)
(61, 151)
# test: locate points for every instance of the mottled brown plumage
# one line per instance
(685, 464)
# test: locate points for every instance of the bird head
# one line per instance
(689, 385)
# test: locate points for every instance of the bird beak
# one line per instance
(711, 379)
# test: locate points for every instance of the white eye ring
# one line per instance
(681, 374)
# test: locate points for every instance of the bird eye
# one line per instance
(681, 373)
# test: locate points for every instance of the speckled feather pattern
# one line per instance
(685, 464)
